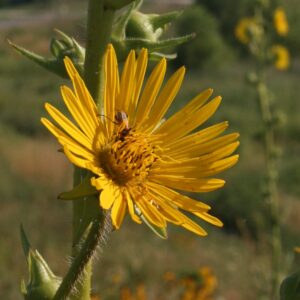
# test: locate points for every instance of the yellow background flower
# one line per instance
(280, 22)
(281, 57)
(243, 29)
(139, 161)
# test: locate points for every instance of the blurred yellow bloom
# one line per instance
(297, 249)
(126, 294)
(169, 276)
(281, 57)
(139, 159)
(199, 286)
(189, 294)
(209, 283)
(280, 22)
(244, 28)
(140, 293)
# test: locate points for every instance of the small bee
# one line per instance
(122, 120)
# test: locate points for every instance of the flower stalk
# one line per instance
(257, 34)
(271, 193)
(99, 26)
(100, 227)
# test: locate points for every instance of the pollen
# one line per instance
(128, 158)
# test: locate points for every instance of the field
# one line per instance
(33, 173)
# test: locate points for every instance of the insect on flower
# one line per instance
(122, 120)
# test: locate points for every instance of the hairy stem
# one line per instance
(271, 194)
(99, 26)
(100, 227)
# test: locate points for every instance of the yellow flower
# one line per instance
(139, 160)
(244, 28)
(140, 293)
(169, 276)
(297, 249)
(281, 57)
(209, 283)
(280, 22)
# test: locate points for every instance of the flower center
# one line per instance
(128, 157)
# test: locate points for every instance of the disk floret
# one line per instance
(128, 158)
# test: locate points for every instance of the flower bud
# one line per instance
(42, 284)
(59, 48)
(136, 30)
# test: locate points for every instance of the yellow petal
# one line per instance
(185, 112)
(77, 161)
(71, 70)
(150, 213)
(179, 200)
(127, 83)
(118, 211)
(68, 126)
(99, 183)
(208, 218)
(111, 74)
(188, 124)
(130, 204)
(211, 147)
(76, 148)
(141, 66)
(78, 112)
(81, 90)
(199, 137)
(164, 100)
(109, 194)
(150, 91)
(188, 184)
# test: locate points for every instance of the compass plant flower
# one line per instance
(140, 161)
(245, 29)
(280, 22)
(281, 57)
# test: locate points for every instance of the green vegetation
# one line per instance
(33, 172)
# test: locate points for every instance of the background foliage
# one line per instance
(32, 172)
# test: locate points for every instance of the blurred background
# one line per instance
(33, 172)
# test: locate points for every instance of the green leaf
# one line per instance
(120, 25)
(157, 45)
(25, 243)
(83, 189)
(23, 287)
(159, 21)
(50, 64)
(156, 56)
(117, 4)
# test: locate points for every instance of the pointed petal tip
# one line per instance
(219, 98)
(47, 106)
(182, 70)
(67, 60)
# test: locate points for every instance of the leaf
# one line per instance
(158, 21)
(83, 189)
(25, 243)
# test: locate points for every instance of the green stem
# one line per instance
(271, 194)
(99, 26)
(100, 227)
